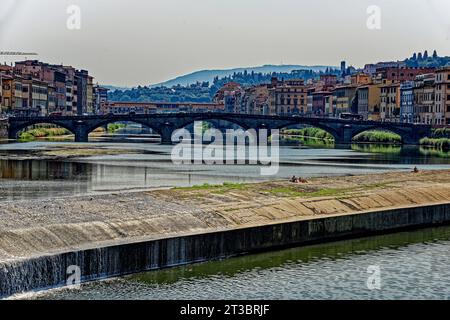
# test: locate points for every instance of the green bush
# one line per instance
(310, 133)
(441, 143)
(114, 127)
(376, 136)
(43, 132)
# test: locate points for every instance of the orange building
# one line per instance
(360, 79)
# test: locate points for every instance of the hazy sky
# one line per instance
(131, 42)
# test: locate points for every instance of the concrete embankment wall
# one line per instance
(3, 129)
(50, 271)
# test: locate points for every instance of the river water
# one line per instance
(412, 264)
(143, 166)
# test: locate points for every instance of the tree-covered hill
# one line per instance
(425, 60)
(205, 91)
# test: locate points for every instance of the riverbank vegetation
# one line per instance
(311, 137)
(438, 143)
(376, 136)
(43, 132)
(439, 140)
(308, 133)
(114, 127)
(365, 137)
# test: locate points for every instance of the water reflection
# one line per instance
(407, 154)
(44, 170)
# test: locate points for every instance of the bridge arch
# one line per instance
(325, 128)
(392, 129)
(13, 132)
(106, 122)
(212, 119)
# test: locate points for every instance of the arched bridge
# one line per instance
(165, 124)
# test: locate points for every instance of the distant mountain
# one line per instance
(209, 75)
(114, 88)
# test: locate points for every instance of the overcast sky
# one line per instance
(131, 42)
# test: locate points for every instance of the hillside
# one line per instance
(204, 91)
(209, 75)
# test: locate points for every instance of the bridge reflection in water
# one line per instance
(343, 131)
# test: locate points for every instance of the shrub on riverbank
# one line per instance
(439, 143)
(43, 133)
(114, 127)
(365, 137)
(378, 137)
(310, 133)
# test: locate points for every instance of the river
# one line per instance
(142, 166)
(412, 264)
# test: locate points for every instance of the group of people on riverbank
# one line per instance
(294, 179)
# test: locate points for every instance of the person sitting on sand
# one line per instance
(301, 180)
(294, 179)
(416, 170)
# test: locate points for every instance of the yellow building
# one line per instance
(344, 98)
(288, 97)
(369, 100)
(390, 102)
(7, 98)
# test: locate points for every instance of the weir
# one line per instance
(49, 271)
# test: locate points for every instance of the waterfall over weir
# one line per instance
(50, 270)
